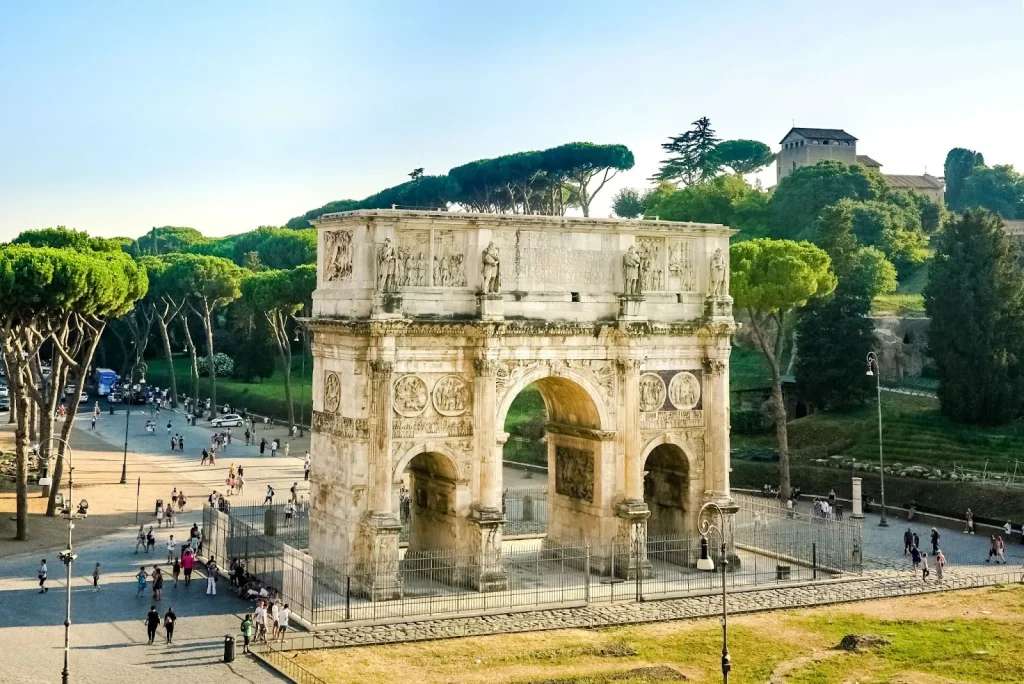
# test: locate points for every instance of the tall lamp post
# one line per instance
(128, 413)
(300, 335)
(706, 526)
(68, 555)
(872, 370)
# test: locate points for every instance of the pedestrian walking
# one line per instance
(908, 541)
(915, 557)
(275, 613)
(96, 577)
(211, 577)
(140, 539)
(305, 466)
(181, 443)
(169, 619)
(181, 501)
(150, 540)
(92, 423)
(992, 549)
(248, 630)
(940, 564)
(935, 541)
(171, 548)
(41, 574)
(188, 561)
(239, 482)
(169, 516)
(924, 567)
(168, 422)
(176, 570)
(260, 618)
(917, 540)
(140, 581)
(273, 448)
(152, 622)
(269, 498)
(1000, 550)
(282, 621)
(287, 449)
(159, 516)
(158, 583)
(294, 492)
(206, 457)
(174, 496)
(263, 445)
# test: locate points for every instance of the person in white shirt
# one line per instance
(260, 618)
(282, 621)
(170, 549)
(275, 613)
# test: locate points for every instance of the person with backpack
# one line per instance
(211, 577)
(915, 557)
(152, 622)
(169, 619)
(247, 632)
(42, 574)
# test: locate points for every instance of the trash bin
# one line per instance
(229, 648)
(782, 572)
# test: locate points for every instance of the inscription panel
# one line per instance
(431, 426)
(669, 420)
(340, 426)
(554, 261)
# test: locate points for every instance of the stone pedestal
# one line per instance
(630, 307)
(376, 574)
(487, 573)
(631, 542)
(387, 306)
(718, 308)
(856, 499)
(491, 307)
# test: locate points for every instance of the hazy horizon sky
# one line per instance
(121, 116)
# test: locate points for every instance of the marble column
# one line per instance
(485, 542)
(631, 539)
(715, 404)
(380, 426)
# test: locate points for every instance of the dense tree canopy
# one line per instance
(999, 189)
(742, 156)
(168, 240)
(770, 280)
(800, 197)
(960, 163)
(61, 236)
(975, 298)
(691, 155)
(629, 203)
(725, 199)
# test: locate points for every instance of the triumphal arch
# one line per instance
(427, 324)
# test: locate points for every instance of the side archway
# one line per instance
(428, 484)
(668, 490)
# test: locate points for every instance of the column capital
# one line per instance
(629, 364)
(382, 367)
(713, 366)
(486, 368)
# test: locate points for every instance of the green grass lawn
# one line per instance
(265, 397)
(899, 304)
(972, 636)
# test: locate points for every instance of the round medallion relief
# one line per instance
(332, 393)
(652, 392)
(410, 396)
(684, 390)
(450, 396)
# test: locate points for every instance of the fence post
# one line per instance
(586, 573)
(348, 595)
(814, 560)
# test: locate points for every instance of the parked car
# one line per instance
(69, 390)
(5, 403)
(227, 420)
(83, 397)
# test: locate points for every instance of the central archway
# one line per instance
(577, 452)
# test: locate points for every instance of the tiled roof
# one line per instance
(925, 182)
(865, 160)
(820, 134)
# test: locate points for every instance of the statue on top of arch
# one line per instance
(490, 269)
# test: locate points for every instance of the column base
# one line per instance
(491, 306)
(630, 547)
(630, 307)
(718, 308)
(487, 572)
(377, 567)
(387, 306)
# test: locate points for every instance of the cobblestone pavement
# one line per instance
(876, 584)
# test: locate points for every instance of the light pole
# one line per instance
(68, 556)
(706, 527)
(128, 413)
(300, 335)
(872, 363)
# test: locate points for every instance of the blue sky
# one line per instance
(117, 117)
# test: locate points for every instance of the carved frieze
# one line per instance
(332, 392)
(410, 396)
(413, 258)
(652, 267)
(671, 420)
(340, 426)
(681, 270)
(432, 426)
(574, 473)
(652, 392)
(684, 390)
(449, 258)
(450, 396)
(338, 259)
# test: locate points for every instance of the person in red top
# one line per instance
(188, 562)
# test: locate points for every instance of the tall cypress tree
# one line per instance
(975, 297)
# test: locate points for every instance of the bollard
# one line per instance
(229, 648)
(856, 499)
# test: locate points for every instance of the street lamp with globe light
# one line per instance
(706, 526)
(872, 370)
(128, 413)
